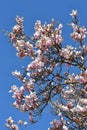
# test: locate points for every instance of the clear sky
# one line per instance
(31, 10)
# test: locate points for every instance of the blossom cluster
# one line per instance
(24, 103)
(79, 33)
(11, 125)
(58, 124)
(56, 75)
(17, 37)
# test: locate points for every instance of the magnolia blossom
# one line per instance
(19, 20)
(37, 34)
(29, 85)
(14, 127)
(65, 127)
(74, 13)
(10, 120)
(16, 73)
(25, 123)
(67, 52)
(16, 29)
(59, 39)
(56, 125)
(38, 25)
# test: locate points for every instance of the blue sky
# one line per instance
(31, 10)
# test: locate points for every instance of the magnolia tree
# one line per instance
(55, 77)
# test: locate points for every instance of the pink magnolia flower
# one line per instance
(37, 35)
(16, 29)
(74, 13)
(59, 39)
(14, 127)
(56, 125)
